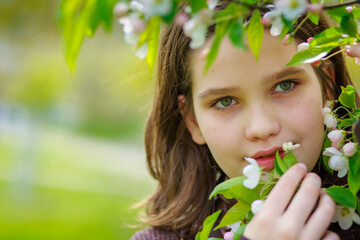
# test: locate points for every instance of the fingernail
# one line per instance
(303, 166)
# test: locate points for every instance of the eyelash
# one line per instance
(213, 104)
(293, 82)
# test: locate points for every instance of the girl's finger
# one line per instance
(304, 201)
(283, 191)
(331, 236)
(320, 220)
(353, 51)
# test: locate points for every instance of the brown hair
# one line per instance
(187, 172)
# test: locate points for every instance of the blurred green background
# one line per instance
(72, 161)
(71, 144)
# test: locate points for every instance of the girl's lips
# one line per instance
(268, 162)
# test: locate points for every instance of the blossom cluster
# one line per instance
(280, 15)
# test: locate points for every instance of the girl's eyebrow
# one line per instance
(217, 91)
(288, 71)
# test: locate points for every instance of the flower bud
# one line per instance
(228, 236)
(349, 149)
(329, 104)
(121, 9)
(329, 118)
(287, 39)
(265, 21)
(309, 39)
(256, 206)
(336, 135)
(349, 9)
(181, 19)
(302, 46)
(289, 146)
(315, 8)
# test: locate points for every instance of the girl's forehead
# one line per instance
(234, 63)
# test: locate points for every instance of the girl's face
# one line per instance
(245, 108)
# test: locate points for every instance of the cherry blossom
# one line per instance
(252, 172)
(157, 7)
(291, 9)
(303, 46)
(336, 137)
(196, 28)
(277, 24)
(338, 161)
(349, 149)
(345, 216)
(289, 146)
(329, 118)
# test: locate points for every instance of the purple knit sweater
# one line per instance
(157, 234)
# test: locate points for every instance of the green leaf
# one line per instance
(354, 182)
(234, 188)
(356, 13)
(197, 5)
(330, 35)
(80, 18)
(347, 122)
(236, 213)
(347, 96)
(236, 34)
(172, 13)
(348, 24)
(151, 36)
(232, 11)
(314, 17)
(207, 226)
(227, 187)
(354, 163)
(342, 196)
(289, 160)
(255, 33)
(239, 232)
(220, 32)
(308, 56)
(338, 13)
(277, 164)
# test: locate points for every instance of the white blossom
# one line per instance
(336, 137)
(234, 227)
(196, 28)
(211, 4)
(157, 7)
(338, 161)
(256, 206)
(349, 149)
(291, 9)
(345, 216)
(329, 118)
(289, 146)
(133, 26)
(303, 46)
(252, 172)
(277, 23)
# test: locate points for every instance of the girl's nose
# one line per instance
(261, 123)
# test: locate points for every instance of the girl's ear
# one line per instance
(328, 68)
(190, 122)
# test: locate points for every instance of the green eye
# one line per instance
(224, 102)
(284, 86)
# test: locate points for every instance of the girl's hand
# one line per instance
(288, 216)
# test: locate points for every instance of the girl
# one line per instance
(203, 125)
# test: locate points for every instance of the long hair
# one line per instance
(187, 172)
